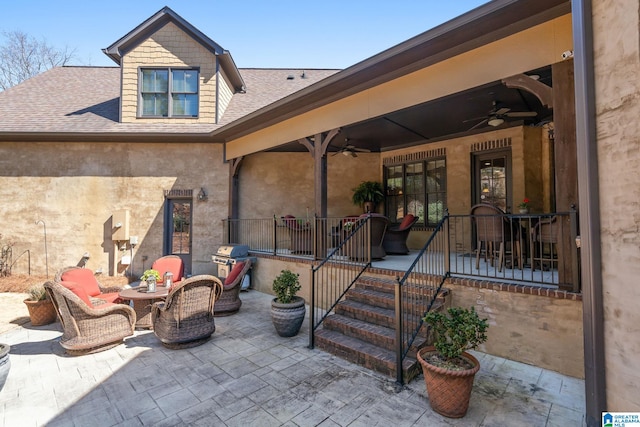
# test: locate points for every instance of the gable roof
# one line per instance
(83, 103)
(165, 15)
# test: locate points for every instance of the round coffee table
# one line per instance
(142, 302)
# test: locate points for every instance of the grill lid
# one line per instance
(233, 251)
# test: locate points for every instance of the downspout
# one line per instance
(588, 191)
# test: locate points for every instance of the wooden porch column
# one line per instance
(317, 146)
(566, 166)
(234, 193)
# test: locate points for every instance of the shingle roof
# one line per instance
(85, 100)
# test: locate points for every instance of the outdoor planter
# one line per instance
(287, 318)
(5, 363)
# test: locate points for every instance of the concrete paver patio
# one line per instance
(247, 375)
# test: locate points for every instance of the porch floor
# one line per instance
(248, 375)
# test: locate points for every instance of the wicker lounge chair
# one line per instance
(84, 277)
(395, 238)
(185, 319)
(87, 328)
(229, 302)
(301, 235)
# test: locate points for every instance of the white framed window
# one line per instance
(168, 92)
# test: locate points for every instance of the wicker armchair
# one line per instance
(87, 328)
(301, 235)
(395, 238)
(185, 318)
(98, 294)
(229, 302)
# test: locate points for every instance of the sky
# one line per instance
(259, 34)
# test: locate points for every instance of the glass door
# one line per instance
(492, 180)
(177, 230)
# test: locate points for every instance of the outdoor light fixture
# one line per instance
(202, 195)
(495, 121)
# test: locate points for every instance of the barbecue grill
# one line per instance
(227, 256)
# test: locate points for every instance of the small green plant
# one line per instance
(150, 273)
(368, 191)
(37, 293)
(286, 285)
(456, 330)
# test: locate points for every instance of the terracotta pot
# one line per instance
(5, 363)
(288, 318)
(369, 207)
(41, 312)
(449, 391)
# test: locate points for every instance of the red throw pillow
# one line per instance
(406, 221)
(79, 290)
(233, 275)
(83, 277)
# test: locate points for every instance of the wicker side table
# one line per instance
(142, 302)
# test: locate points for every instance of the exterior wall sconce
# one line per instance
(202, 195)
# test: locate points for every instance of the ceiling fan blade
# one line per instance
(361, 150)
(521, 114)
(474, 119)
(477, 125)
(502, 111)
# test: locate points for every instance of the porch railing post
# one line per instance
(312, 309)
(399, 340)
(447, 246)
(275, 235)
(575, 268)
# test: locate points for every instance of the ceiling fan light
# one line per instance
(495, 121)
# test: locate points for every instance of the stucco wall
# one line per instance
(169, 47)
(283, 184)
(75, 188)
(617, 91)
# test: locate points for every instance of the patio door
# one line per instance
(177, 230)
(492, 179)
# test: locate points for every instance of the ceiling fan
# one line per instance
(350, 150)
(498, 114)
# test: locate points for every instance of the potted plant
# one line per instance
(368, 194)
(523, 206)
(287, 309)
(5, 363)
(150, 274)
(41, 309)
(448, 369)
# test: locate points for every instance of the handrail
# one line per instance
(328, 285)
(410, 305)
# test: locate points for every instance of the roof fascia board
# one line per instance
(487, 23)
(105, 137)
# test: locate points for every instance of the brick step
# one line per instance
(376, 315)
(365, 354)
(388, 286)
(373, 334)
(371, 297)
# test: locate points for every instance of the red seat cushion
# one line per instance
(233, 275)
(406, 221)
(78, 290)
(110, 297)
(83, 277)
(172, 264)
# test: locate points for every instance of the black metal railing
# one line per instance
(529, 248)
(336, 274)
(418, 291)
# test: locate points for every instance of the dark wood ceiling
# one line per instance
(463, 113)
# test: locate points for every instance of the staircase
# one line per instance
(362, 329)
